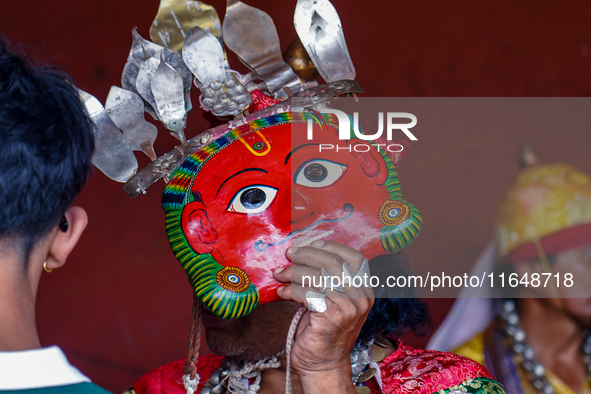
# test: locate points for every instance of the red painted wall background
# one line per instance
(121, 305)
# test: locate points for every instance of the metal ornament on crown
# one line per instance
(231, 191)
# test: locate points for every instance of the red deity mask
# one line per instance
(235, 206)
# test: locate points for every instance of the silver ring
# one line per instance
(361, 274)
(364, 269)
(316, 301)
(326, 277)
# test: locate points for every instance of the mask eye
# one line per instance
(252, 200)
(319, 173)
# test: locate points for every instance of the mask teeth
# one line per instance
(316, 238)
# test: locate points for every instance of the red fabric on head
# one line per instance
(569, 238)
(261, 101)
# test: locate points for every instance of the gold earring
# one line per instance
(45, 267)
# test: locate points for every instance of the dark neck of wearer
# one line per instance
(273, 380)
(556, 342)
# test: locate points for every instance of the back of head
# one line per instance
(46, 144)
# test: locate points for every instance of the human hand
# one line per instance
(320, 354)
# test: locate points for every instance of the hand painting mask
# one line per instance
(235, 206)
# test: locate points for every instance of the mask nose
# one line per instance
(301, 209)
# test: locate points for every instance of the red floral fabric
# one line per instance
(407, 370)
(410, 370)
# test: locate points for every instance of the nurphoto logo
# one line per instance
(391, 119)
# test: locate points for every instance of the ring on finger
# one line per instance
(325, 278)
(363, 272)
(316, 301)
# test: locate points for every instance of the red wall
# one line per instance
(121, 305)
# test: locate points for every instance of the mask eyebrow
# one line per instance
(295, 149)
(238, 173)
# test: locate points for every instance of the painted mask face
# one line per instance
(234, 207)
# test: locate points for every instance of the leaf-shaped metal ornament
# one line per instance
(167, 88)
(204, 56)
(176, 17)
(142, 49)
(319, 27)
(126, 109)
(112, 155)
(251, 34)
(143, 82)
(130, 73)
(223, 94)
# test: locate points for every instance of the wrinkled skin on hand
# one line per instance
(324, 340)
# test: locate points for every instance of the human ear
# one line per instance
(198, 228)
(63, 242)
(371, 161)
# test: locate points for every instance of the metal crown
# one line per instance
(188, 47)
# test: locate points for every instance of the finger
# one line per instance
(357, 303)
(353, 257)
(333, 265)
(316, 258)
(313, 255)
(297, 293)
(338, 310)
(354, 261)
(298, 274)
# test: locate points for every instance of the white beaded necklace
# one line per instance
(524, 353)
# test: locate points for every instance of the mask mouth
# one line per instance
(261, 246)
(306, 240)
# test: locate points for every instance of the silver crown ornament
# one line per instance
(188, 47)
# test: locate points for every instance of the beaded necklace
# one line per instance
(524, 354)
(364, 359)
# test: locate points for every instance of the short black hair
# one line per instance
(46, 144)
(396, 310)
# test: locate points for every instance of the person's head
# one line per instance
(573, 266)
(543, 230)
(46, 145)
(263, 332)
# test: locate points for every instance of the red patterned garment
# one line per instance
(410, 370)
(168, 379)
(407, 370)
